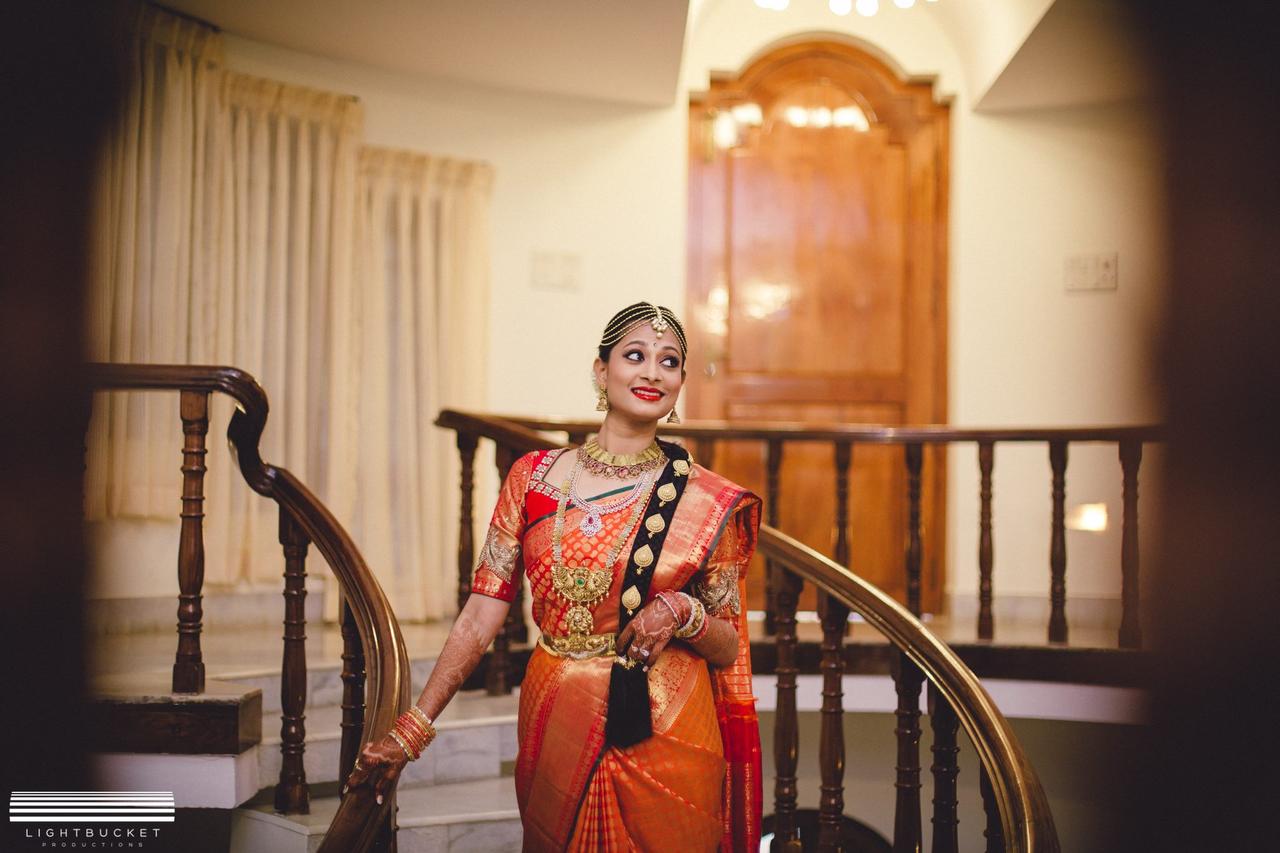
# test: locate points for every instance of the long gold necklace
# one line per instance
(582, 586)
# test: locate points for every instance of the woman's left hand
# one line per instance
(647, 635)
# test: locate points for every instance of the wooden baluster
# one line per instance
(786, 736)
(994, 831)
(498, 678)
(292, 794)
(352, 692)
(1058, 544)
(772, 495)
(915, 461)
(906, 818)
(188, 665)
(704, 451)
(986, 460)
(466, 516)
(945, 768)
(1130, 619)
(835, 618)
(844, 458)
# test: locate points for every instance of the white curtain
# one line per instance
(156, 213)
(419, 316)
(241, 223)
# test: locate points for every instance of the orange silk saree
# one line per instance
(697, 779)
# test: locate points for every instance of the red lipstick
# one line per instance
(649, 395)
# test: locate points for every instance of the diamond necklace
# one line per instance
(592, 513)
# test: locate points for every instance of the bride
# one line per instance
(637, 724)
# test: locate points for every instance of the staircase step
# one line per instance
(477, 734)
(477, 815)
(140, 714)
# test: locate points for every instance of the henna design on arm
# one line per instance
(472, 632)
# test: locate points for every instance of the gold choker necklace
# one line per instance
(601, 462)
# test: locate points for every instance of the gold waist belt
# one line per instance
(579, 646)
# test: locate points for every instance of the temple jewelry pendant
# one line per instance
(579, 620)
(643, 557)
(631, 599)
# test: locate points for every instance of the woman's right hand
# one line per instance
(379, 764)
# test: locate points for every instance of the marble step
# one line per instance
(477, 735)
(252, 657)
(324, 683)
(459, 817)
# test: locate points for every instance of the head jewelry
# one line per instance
(659, 316)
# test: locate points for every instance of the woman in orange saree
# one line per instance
(637, 726)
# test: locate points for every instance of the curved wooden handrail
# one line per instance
(870, 433)
(1024, 809)
(1021, 802)
(359, 816)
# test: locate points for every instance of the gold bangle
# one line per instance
(410, 738)
(416, 728)
(696, 619)
(428, 726)
(408, 753)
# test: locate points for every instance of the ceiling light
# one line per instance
(841, 7)
(748, 114)
(850, 116)
(796, 116)
(866, 8)
(904, 4)
(724, 130)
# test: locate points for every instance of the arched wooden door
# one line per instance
(817, 286)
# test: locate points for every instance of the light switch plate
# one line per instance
(1092, 272)
(560, 271)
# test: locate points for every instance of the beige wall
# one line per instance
(606, 183)
(599, 180)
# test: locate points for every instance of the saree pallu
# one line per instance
(697, 779)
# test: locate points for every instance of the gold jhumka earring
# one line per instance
(673, 418)
(602, 400)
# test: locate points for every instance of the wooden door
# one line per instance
(817, 287)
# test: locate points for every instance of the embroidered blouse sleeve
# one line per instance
(496, 572)
(720, 584)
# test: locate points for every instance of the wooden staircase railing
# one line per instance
(704, 436)
(1018, 816)
(375, 672)
(1018, 811)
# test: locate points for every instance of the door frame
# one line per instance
(909, 106)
